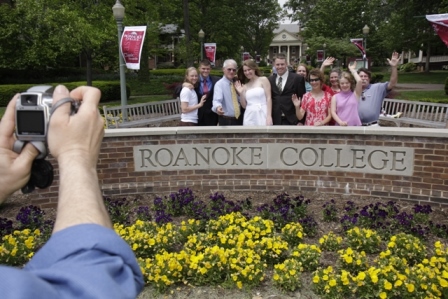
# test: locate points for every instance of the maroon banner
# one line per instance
(131, 45)
(320, 55)
(246, 56)
(358, 42)
(257, 58)
(210, 52)
(440, 24)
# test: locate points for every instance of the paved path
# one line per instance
(418, 87)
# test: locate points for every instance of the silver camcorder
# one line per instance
(33, 113)
(33, 109)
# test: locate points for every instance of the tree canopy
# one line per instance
(395, 25)
(51, 33)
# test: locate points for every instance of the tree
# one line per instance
(232, 24)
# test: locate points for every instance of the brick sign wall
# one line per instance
(394, 163)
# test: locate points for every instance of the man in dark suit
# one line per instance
(206, 117)
(283, 85)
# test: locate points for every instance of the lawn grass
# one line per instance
(435, 96)
(434, 77)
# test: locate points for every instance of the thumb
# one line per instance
(26, 157)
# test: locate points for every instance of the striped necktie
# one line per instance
(279, 84)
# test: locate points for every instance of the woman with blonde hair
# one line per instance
(189, 99)
(344, 105)
(255, 95)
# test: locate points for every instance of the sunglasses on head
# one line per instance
(231, 70)
(314, 80)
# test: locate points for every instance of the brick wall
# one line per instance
(428, 184)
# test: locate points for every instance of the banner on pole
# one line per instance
(131, 45)
(246, 56)
(440, 24)
(358, 42)
(210, 52)
(320, 55)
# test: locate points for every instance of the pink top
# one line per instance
(347, 108)
(315, 110)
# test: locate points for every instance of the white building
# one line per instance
(287, 39)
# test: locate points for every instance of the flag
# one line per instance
(358, 42)
(210, 52)
(131, 45)
(440, 24)
(320, 55)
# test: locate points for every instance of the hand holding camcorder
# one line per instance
(33, 112)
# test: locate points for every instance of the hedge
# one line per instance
(110, 90)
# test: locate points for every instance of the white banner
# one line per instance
(131, 45)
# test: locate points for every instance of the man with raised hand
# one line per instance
(84, 258)
(373, 95)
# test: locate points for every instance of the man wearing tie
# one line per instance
(283, 85)
(225, 99)
(206, 117)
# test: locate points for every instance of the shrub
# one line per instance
(110, 90)
(407, 67)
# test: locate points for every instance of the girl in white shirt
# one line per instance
(189, 99)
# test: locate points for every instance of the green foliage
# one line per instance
(110, 90)
(407, 67)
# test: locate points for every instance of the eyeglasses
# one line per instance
(314, 80)
(231, 70)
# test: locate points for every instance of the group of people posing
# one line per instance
(245, 97)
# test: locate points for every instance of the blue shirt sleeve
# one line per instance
(83, 261)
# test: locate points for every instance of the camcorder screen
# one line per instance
(30, 122)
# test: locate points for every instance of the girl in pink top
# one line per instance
(316, 103)
(344, 105)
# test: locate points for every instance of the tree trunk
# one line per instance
(187, 33)
(88, 68)
(428, 56)
(143, 73)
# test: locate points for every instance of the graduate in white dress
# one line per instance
(255, 95)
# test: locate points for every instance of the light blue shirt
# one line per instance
(222, 96)
(369, 107)
(83, 261)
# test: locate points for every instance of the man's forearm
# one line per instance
(393, 77)
(80, 199)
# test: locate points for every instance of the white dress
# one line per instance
(256, 108)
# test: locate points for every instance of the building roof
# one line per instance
(292, 28)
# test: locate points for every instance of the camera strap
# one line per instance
(74, 104)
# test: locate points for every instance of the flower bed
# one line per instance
(380, 250)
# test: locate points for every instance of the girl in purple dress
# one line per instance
(344, 105)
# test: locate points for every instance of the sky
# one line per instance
(281, 2)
